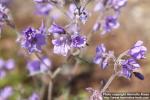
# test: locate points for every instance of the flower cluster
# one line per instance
(63, 42)
(138, 50)
(33, 39)
(102, 56)
(43, 7)
(35, 66)
(130, 65)
(6, 66)
(68, 39)
(109, 22)
(6, 92)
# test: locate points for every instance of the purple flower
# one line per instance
(82, 14)
(6, 65)
(71, 10)
(130, 66)
(138, 50)
(33, 40)
(109, 24)
(99, 6)
(101, 57)
(3, 12)
(40, 1)
(61, 45)
(5, 2)
(43, 9)
(33, 67)
(34, 96)
(95, 94)
(56, 29)
(126, 73)
(46, 65)
(79, 13)
(3, 15)
(78, 41)
(64, 42)
(10, 64)
(6, 92)
(117, 4)
(2, 74)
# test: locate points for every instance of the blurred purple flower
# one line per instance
(6, 65)
(46, 65)
(99, 6)
(100, 57)
(95, 94)
(109, 24)
(5, 2)
(138, 50)
(3, 15)
(43, 9)
(35, 66)
(71, 10)
(40, 1)
(117, 4)
(33, 40)
(78, 41)
(61, 45)
(56, 29)
(34, 96)
(10, 64)
(2, 74)
(6, 92)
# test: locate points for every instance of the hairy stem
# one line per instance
(56, 72)
(109, 81)
(73, 72)
(50, 86)
(117, 60)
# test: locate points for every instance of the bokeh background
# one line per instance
(135, 25)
